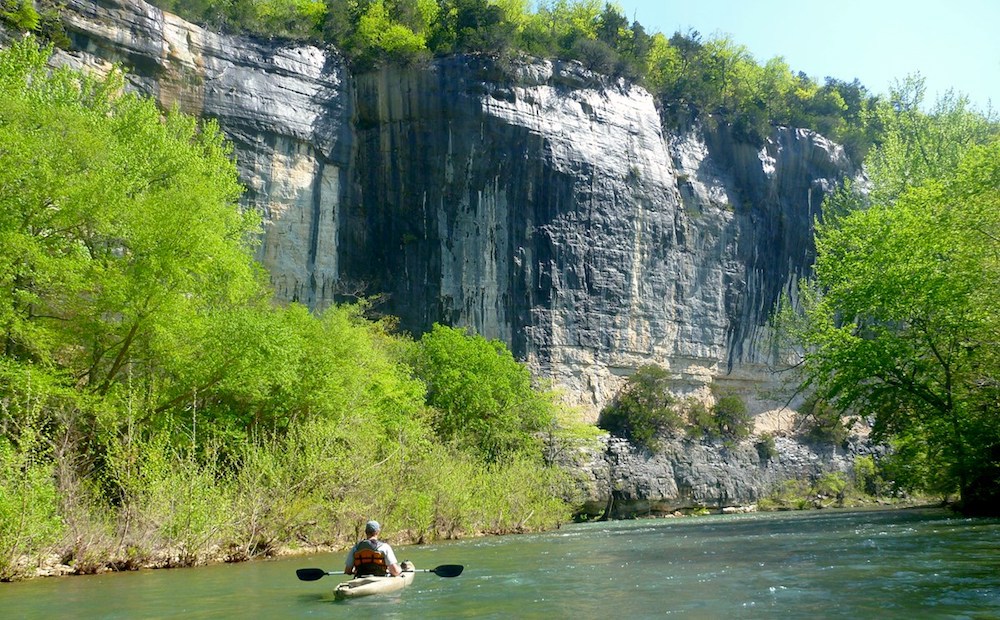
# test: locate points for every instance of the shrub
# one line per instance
(869, 477)
(643, 409)
(729, 420)
(701, 423)
(28, 508)
(789, 495)
(832, 484)
(29, 519)
(483, 398)
(733, 418)
(20, 14)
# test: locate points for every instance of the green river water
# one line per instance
(918, 563)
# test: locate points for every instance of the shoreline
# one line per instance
(51, 567)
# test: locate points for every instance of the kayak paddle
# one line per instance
(445, 570)
(312, 574)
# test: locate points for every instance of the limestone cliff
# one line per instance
(539, 203)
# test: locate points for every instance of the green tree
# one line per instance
(144, 365)
(822, 423)
(120, 226)
(903, 317)
(643, 409)
(728, 419)
(733, 418)
(915, 145)
(298, 19)
(472, 26)
(20, 14)
(394, 31)
(482, 397)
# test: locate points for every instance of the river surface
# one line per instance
(917, 563)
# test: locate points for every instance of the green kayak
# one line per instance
(366, 586)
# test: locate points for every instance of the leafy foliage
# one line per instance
(20, 14)
(643, 409)
(716, 80)
(29, 519)
(728, 419)
(767, 449)
(482, 396)
(733, 418)
(902, 316)
(122, 239)
(822, 423)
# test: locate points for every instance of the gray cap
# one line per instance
(372, 526)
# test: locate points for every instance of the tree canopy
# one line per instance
(643, 409)
(483, 397)
(902, 318)
(120, 226)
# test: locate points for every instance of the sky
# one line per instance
(952, 44)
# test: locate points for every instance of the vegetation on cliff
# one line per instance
(157, 407)
(716, 80)
(713, 80)
(645, 409)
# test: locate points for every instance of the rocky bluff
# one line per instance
(536, 203)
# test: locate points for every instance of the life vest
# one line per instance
(368, 560)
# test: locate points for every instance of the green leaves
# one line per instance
(643, 409)
(145, 365)
(483, 397)
(120, 227)
(904, 316)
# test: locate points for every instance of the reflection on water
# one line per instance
(816, 564)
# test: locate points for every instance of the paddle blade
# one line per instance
(448, 570)
(311, 574)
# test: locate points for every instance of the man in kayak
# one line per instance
(371, 556)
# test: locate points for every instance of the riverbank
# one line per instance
(50, 565)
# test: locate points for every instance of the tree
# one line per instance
(20, 14)
(612, 27)
(394, 31)
(119, 228)
(472, 26)
(483, 398)
(733, 418)
(903, 319)
(569, 20)
(643, 409)
(914, 145)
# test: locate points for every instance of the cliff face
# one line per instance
(538, 204)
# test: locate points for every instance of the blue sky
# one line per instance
(953, 45)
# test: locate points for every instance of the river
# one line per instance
(847, 564)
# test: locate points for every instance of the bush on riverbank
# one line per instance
(645, 409)
(311, 488)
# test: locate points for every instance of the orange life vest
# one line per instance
(368, 560)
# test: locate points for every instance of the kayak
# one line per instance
(366, 586)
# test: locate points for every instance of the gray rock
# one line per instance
(687, 474)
